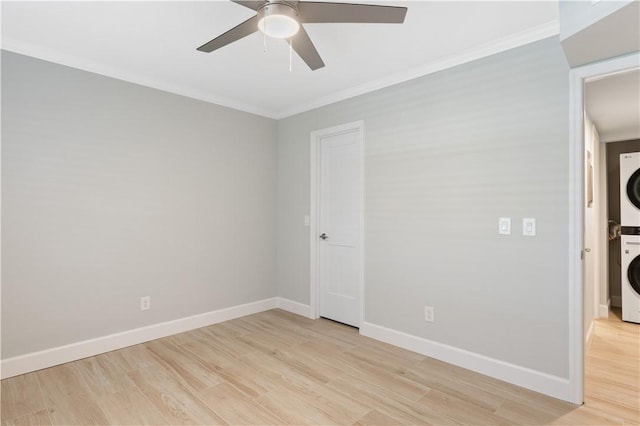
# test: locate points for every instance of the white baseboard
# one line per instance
(616, 301)
(48, 358)
(294, 307)
(541, 382)
(603, 310)
(557, 387)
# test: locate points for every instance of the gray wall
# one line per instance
(592, 32)
(112, 191)
(445, 156)
(614, 149)
(575, 16)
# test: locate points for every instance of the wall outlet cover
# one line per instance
(428, 314)
(145, 303)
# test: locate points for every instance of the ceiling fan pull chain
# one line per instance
(290, 53)
(264, 38)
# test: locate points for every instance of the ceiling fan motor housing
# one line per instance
(278, 19)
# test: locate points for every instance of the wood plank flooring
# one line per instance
(612, 370)
(279, 368)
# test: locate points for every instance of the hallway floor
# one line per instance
(612, 376)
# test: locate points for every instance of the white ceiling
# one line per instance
(154, 43)
(613, 104)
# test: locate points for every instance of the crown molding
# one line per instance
(72, 61)
(531, 35)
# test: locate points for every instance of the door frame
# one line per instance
(577, 79)
(314, 213)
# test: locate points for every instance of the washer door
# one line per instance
(633, 189)
(634, 274)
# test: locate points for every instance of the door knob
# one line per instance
(324, 236)
(588, 250)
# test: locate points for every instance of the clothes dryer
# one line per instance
(630, 189)
(631, 277)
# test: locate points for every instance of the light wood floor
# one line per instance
(612, 370)
(279, 368)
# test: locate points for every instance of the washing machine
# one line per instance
(630, 189)
(631, 275)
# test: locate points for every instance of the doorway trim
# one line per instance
(314, 213)
(577, 79)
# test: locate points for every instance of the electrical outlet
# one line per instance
(145, 303)
(428, 314)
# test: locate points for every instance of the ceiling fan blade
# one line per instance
(248, 27)
(321, 12)
(251, 4)
(304, 47)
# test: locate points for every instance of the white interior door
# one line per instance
(340, 227)
(590, 227)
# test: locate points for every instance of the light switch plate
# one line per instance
(529, 226)
(504, 226)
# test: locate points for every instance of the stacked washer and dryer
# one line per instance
(630, 240)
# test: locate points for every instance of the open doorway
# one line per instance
(592, 125)
(612, 242)
(583, 302)
(612, 128)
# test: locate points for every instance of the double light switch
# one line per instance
(528, 226)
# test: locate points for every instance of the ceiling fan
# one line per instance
(284, 18)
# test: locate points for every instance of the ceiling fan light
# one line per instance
(278, 20)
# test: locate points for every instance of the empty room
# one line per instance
(294, 212)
